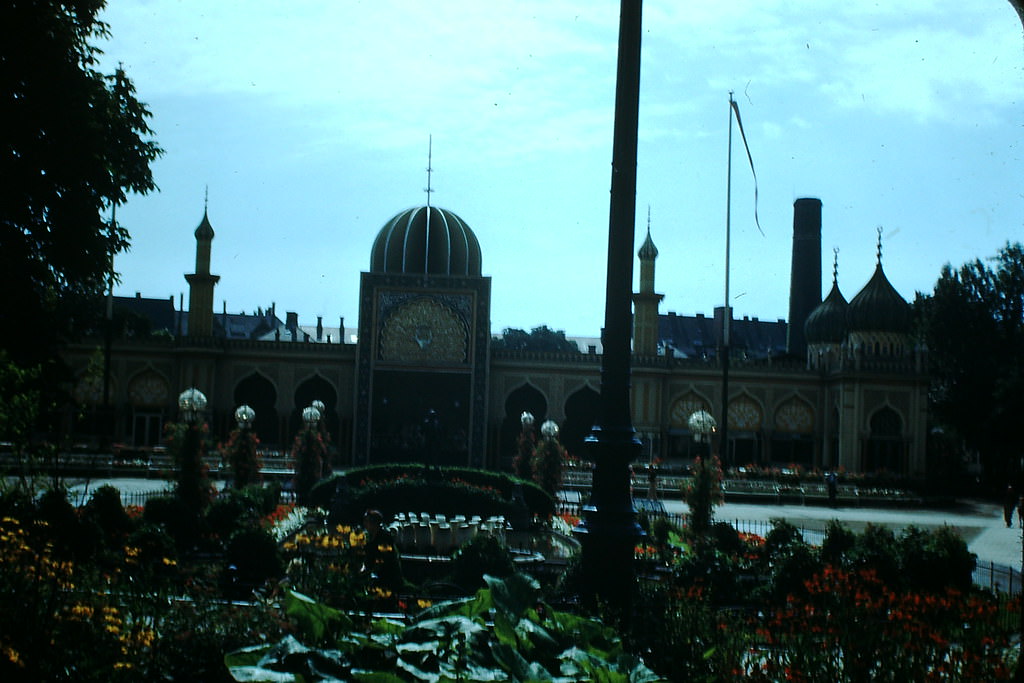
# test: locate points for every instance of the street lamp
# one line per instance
(191, 402)
(703, 425)
(244, 416)
(311, 416)
(549, 430)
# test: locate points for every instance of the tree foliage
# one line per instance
(973, 325)
(541, 338)
(75, 142)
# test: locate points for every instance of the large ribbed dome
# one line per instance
(827, 323)
(879, 307)
(426, 241)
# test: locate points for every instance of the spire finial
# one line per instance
(648, 220)
(879, 245)
(430, 154)
(206, 199)
(835, 265)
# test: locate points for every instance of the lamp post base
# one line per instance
(608, 532)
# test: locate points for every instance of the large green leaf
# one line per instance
(288, 660)
(587, 633)
(244, 665)
(515, 594)
(537, 637)
(504, 631)
(316, 621)
(375, 677)
(446, 627)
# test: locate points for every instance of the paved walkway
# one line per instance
(981, 524)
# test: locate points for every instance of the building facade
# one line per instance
(840, 385)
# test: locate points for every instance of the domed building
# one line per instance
(828, 324)
(424, 331)
(418, 379)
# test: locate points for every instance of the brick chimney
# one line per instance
(805, 273)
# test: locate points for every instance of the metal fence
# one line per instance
(998, 578)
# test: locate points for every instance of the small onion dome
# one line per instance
(647, 249)
(827, 323)
(879, 307)
(205, 230)
(426, 241)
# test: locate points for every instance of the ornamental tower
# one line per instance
(201, 283)
(645, 302)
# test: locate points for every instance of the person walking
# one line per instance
(1010, 503)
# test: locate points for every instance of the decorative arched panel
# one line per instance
(149, 389)
(885, 448)
(683, 407)
(795, 416)
(424, 330)
(886, 423)
(89, 389)
(745, 414)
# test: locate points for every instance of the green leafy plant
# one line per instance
(503, 632)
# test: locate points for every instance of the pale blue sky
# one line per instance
(309, 122)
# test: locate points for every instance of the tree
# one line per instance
(973, 326)
(541, 338)
(74, 143)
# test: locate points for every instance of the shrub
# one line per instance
(726, 539)
(173, 514)
(876, 549)
(255, 556)
(837, 544)
(702, 493)
(106, 510)
(782, 539)
(483, 555)
(72, 536)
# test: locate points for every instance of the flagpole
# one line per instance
(723, 447)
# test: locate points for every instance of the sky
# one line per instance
(307, 125)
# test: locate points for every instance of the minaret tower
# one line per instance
(645, 302)
(201, 283)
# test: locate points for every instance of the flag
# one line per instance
(739, 122)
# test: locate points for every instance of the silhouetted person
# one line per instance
(432, 436)
(382, 559)
(1010, 503)
(833, 487)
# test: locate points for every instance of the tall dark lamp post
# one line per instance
(608, 531)
(192, 487)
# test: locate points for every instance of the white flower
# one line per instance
(526, 418)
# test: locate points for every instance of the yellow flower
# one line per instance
(145, 637)
(12, 655)
(169, 562)
(83, 612)
(356, 539)
(423, 604)
(122, 665)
